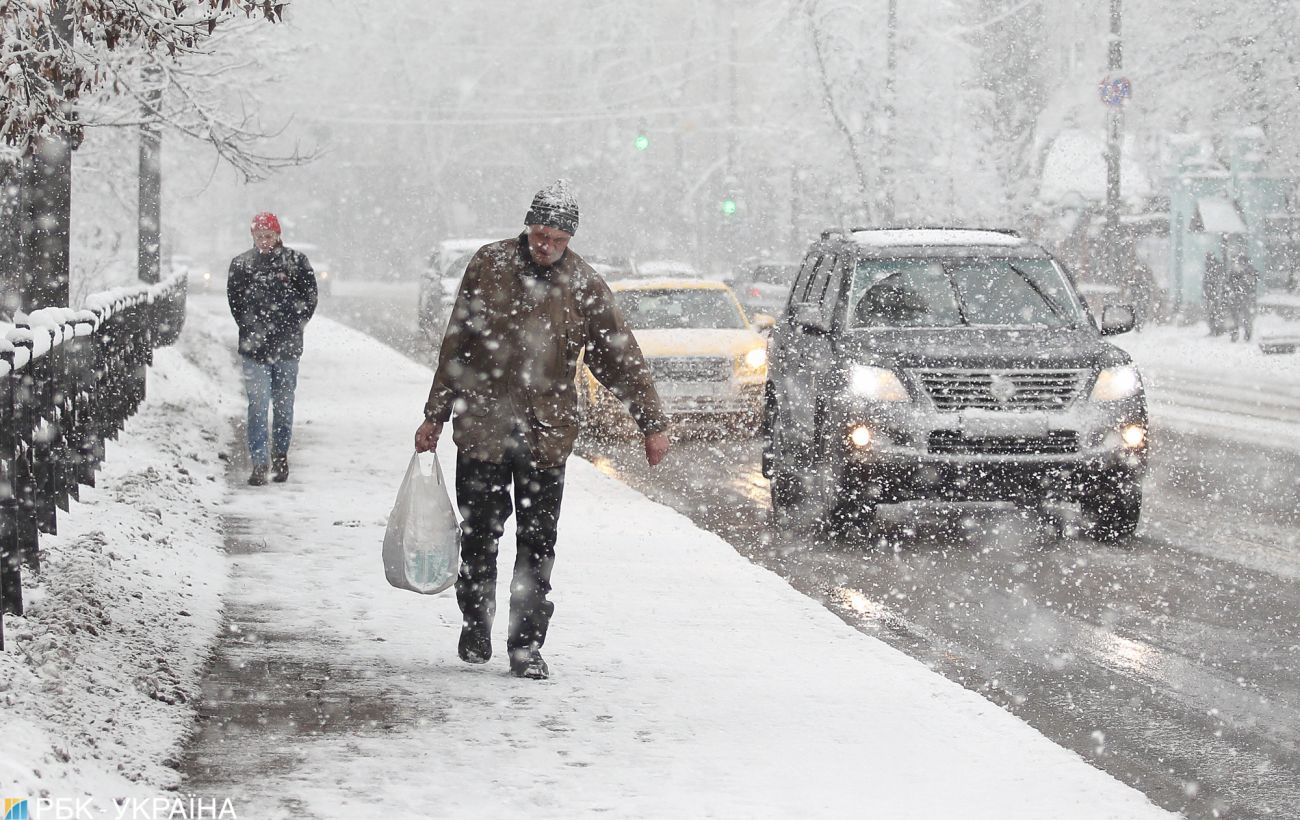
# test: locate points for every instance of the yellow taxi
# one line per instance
(709, 361)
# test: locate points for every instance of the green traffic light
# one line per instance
(641, 142)
(728, 206)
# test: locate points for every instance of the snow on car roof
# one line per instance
(665, 267)
(929, 237)
(667, 283)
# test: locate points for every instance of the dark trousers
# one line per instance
(483, 495)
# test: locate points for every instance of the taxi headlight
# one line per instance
(876, 384)
(1115, 383)
(755, 358)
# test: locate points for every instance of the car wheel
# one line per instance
(787, 498)
(1115, 506)
(847, 510)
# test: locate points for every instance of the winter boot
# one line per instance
(257, 478)
(475, 644)
(280, 467)
(528, 663)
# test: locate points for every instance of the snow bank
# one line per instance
(97, 679)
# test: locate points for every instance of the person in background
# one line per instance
(1212, 282)
(528, 307)
(1240, 291)
(272, 295)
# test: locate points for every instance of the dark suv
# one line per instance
(948, 364)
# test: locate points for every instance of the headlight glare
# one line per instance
(755, 358)
(1115, 383)
(1134, 436)
(860, 436)
(876, 384)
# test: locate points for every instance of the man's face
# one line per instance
(546, 244)
(265, 239)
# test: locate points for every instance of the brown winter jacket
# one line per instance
(510, 355)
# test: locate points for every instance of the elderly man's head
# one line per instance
(552, 221)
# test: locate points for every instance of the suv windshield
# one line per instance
(673, 309)
(952, 292)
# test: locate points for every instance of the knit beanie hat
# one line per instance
(266, 221)
(554, 207)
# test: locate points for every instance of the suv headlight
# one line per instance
(876, 384)
(1115, 383)
(754, 359)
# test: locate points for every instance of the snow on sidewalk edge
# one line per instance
(97, 679)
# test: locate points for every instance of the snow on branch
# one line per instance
(55, 53)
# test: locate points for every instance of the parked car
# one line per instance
(666, 269)
(611, 267)
(948, 364)
(763, 287)
(708, 361)
(326, 274)
(201, 277)
(440, 281)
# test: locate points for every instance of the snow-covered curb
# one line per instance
(97, 679)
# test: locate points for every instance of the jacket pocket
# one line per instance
(556, 409)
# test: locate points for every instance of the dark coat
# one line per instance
(511, 352)
(272, 296)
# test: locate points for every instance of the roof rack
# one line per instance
(1006, 231)
(836, 231)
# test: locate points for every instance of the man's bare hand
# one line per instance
(656, 447)
(426, 437)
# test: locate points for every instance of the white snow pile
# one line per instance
(96, 680)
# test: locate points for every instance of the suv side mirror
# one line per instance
(808, 317)
(762, 322)
(1116, 319)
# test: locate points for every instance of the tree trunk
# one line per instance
(46, 223)
(150, 197)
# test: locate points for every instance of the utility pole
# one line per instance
(887, 138)
(1114, 129)
(149, 205)
(46, 199)
(730, 218)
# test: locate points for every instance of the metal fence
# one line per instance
(69, 380)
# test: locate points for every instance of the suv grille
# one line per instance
(952, 442)
(953, 390)
(691, 369)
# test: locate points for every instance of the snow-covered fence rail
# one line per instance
(69, 380)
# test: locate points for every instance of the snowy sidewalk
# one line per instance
(686, 681)
(1196, 382)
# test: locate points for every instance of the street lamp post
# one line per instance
(1114, 128)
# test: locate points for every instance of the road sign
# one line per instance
(1115, 91)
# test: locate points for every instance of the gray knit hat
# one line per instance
(554, 207)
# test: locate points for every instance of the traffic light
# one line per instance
(728, 206)
(641, 142)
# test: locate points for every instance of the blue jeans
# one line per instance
(269, 386)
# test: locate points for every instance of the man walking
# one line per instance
(528, 307)
(272, 295)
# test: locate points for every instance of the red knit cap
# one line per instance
(266, 221)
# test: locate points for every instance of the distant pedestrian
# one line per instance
(1139, 290)
(1212, 283)
(528, 307)
(272, 295)
(1240, 291)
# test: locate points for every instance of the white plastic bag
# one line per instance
(422, 542)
